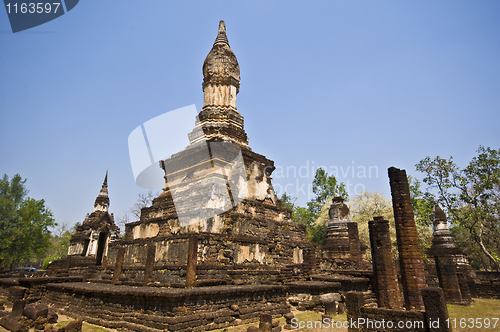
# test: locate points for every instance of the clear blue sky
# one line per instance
(323, 83)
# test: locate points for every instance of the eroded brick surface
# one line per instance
(410, 258)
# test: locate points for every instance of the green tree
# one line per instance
(300, 215)
(288, 202)
(315, 216)
(471, 197)
(422, 204)
(364, 207)
(24, 223)
(59, 243)
(324, 187)
(367, 205)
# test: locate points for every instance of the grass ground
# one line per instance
(480, 308)
(482, 311)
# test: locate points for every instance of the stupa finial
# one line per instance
(102, 200)
(221, 35)
(105, 183)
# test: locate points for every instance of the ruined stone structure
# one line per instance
(425, 306)
(410, 258)
(342, 241)
(215, 248)
(431, 318)
(220, 190)
(89, 245)
(385, 278)
(447, 264)
(219, 223)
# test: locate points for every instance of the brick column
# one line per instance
(410, 258)
(68, 262)
(150, 263)
(120, 256)
(310, 262)
(448, 279)
(354, 301)
(354, 244)
(192, 261)
(436, 312)
(385, 277)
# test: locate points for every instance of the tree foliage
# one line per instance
(422, 204)
(364, 207)
(324, 188)
(24, 223)
(59, 243)
(471, 197)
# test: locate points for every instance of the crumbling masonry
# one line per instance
(385, 278)
(410, 258)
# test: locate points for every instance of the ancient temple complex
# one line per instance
(216, 248)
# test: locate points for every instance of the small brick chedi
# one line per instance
(447, 265)
(342, 248)
(218, 192)
(89, 245)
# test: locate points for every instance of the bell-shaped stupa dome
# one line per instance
(220, 65)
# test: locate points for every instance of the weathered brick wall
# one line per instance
(326, 265)
(206, 274)
(487, 275)
(489, 289)
(433, 318)
(465, 274)
(152, 309)
(212, 248)
(246, 258)
(487, 284)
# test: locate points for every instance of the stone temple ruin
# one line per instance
(217, 172)
(447, 264)
(342, 245)
(216, 248)
(89, 245)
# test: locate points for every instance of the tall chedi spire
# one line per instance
(219, 118)
(102, 200)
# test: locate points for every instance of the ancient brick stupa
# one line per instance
(447, 264)
(218, 195)
(342, 245)
(89, 245)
